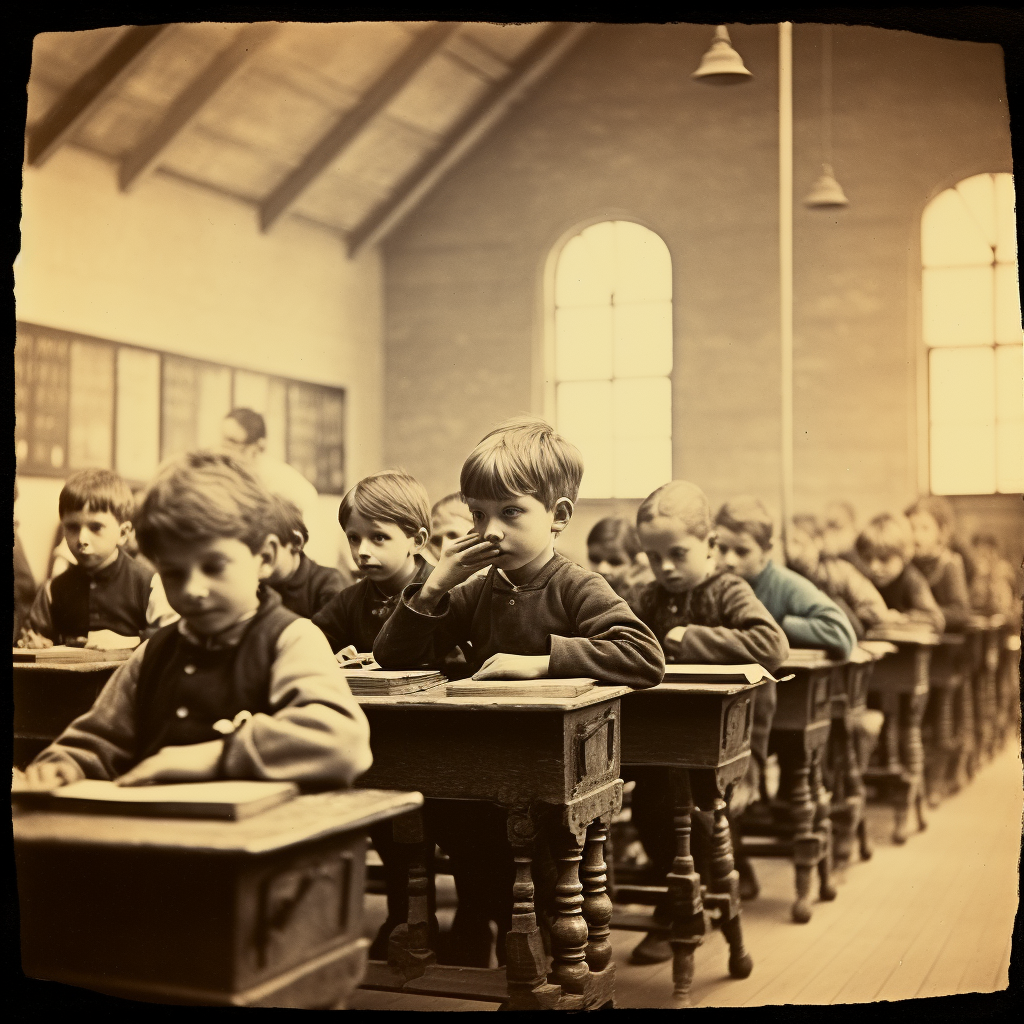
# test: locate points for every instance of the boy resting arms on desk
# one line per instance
(239, 687)
(534, 614)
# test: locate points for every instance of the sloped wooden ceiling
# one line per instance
(347, 125)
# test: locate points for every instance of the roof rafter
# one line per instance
(187, 106)
(539, 58)
(93, 87)
(352, 122)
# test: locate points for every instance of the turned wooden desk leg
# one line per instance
(847, 800)
(947, 740)
(864, 742)
(968, 743)
(912, 794)
(806, 843)
(569, 933)
(409, 951)
(823, 828)
(683, 882)
(597, 904)
(725, 879)
(525, 959)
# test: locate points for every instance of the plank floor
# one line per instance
(931, 918)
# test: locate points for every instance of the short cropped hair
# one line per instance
(286, 521)
(747, 514)
(203, 496)
(523, 456)
(251, 422)
(986, 540)
(847, 509)
(886, 535)
(809, 524)
(391, 496)
(99, 490)
(939, 508)
(614, 530)
(449, 501)
(679, 500)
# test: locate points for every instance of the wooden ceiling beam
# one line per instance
(93, 87)
(539, 58)
(352, 122)
(247, 41)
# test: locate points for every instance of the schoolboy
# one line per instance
(886, 546)
(449, 520)
(107, 593)
(699, 613)
(994, 587)
(386, 519)
(839, 533)
(534, 614)
(932, 522)
(239, 687)
(613, 550)
(305, 587)
(836, 577)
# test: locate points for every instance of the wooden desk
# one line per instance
(553, 763)
(986, 632)
(697, 729)
(49, 697)
(899, 689)
(1008, 687)
(948, 730)
(798, 823)
(261, 912)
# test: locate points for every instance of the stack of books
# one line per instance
(519, 687)
(376, 682)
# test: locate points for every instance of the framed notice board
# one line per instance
(86, 402)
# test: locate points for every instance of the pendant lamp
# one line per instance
(827, 192)
(721, 65)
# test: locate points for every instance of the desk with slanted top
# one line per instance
(49, 696)
(261, 912)
(696, 727)
(899, 689)
(554, 764)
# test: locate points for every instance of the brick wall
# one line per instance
(620, 130)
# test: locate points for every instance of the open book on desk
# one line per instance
(60, 653)
(223, 799)
(751, 673)
(519, 687)
(378, 682)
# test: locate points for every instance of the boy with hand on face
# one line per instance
(239, 687)
(533, 614)
(932, 522)
(107, 596)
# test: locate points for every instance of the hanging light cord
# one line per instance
(826, 94)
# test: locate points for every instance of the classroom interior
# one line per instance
(388, 237)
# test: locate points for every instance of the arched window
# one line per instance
(613, 357)
(972, 332)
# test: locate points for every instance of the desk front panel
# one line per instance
(804, 702)
(906, 671)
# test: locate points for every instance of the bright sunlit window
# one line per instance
(613, 357)
(972, 330)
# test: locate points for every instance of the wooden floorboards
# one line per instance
(931, 918)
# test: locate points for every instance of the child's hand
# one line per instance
(108, 640)
(673, 638)
(514, 666)
(45, 776)
(462, 559)
(195, 762)
(33, 641)
(894, 615)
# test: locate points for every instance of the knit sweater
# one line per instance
(807, 616)
(310, 587)
(910, 593)
(725, 623)
(566, 612)
(947, 580)
(845, 584)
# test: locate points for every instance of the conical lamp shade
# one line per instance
(826, 191)
(722, 65)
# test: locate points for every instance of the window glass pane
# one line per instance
(957, 306)
(584, 273)
(1008, 329)
(643, 267)
(641, 465)
(1009, 388)
(91, 405)
(643, 339)
(276, 419)
(979, 195)
(583, 343)
(138, 413)
(949, 235)
(584, 410)
(214, 403)
(179, 415)
(961, 386)
(1010, 457)
(642, 407)
(251, 391)
(1006, 224)
(962, 458)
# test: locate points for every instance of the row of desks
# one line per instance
(554, 764)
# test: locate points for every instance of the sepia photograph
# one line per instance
(634, 414)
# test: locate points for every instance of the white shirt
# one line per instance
(280, 478)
